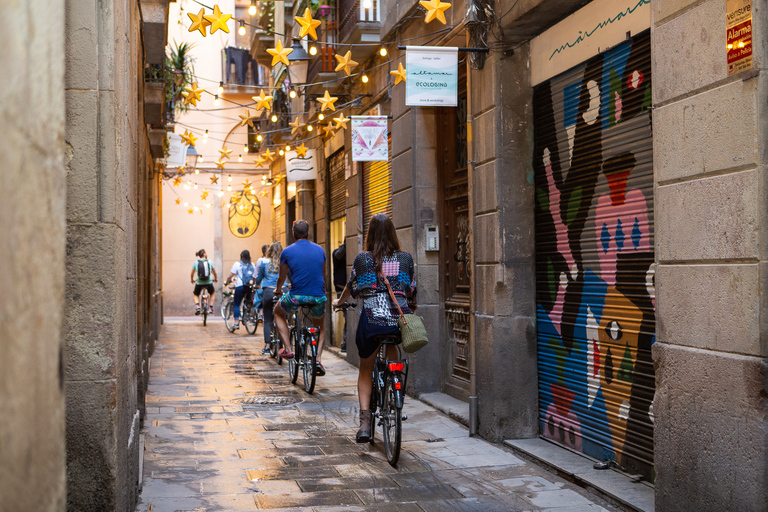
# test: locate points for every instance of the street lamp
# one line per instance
(299, 63)
(192, 156)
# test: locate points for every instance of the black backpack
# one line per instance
(203, 270)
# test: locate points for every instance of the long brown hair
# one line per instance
(381, 239)
(274, 256)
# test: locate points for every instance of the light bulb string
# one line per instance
(257, 188)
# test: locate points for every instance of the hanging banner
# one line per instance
(299, 168)
(369, 139)
(431, 76)
(738, 37)
(177, 151)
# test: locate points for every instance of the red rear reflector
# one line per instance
(396, 367)
(398, 385)
(314, 341)
(312, 330)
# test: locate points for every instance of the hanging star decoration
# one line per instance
(295, 126)
(191, 211)
(214, 180)
(279, 53)
(247, 118)
(189, 138)
(192, 94)
(327, 100)
(177, 181)
(301, 150)
(225, 153)
(263, 193)
(259, 161)
(218, 20)
(246, 185)
(269, 155)
(262, 101)
(199, 22)
(178, 200)
(204, 195)
(220, 164)
(341, 121)
(399, 74)
(308, 24)
(346, 63)
(435, 9)
(328, 129)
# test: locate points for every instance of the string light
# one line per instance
(241, 30)
(221, 87)
(383, 52)
(229, 188)
(365, 78)
(201, 158)
(320, 116)
(282, 152)
(216, 100)
(229, 178)
(313, 50)
(252, 9)
(309, 128)
(274, 118)
(220, 193)
(240, 158)
(259, 138)
(245, 148)
(367, 4)
(292, 94)
(205, 137)
(197, 171)
(287, 148)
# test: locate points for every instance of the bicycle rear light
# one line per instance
(396, 367)
(313, 330)
(398, 385)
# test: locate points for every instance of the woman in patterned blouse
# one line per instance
(380, 314)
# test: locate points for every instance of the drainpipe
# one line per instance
(473, 417)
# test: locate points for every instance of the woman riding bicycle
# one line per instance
(380, 314)
(266, 276)
(243, 271)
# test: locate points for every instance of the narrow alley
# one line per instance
(225, 430)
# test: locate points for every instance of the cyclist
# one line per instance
(266, 277)
(259, 292)
(379, 318)
(243, 271)
(305, 261)
(206, 276)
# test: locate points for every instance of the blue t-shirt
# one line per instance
(306, 261)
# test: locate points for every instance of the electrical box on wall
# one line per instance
(433, 237)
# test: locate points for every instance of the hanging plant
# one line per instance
(179, 73)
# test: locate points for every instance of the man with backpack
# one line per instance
(243, 271)
(206, 276)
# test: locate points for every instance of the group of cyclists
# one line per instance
(304, 263)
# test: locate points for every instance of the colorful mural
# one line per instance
(594, 230)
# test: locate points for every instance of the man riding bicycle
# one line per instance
(305, 261)
(206, 276)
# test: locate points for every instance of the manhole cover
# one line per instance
(267, 400)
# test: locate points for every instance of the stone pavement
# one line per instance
(210, 446)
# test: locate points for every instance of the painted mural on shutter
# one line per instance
(593, 172)
(377, 190)
(338, 185)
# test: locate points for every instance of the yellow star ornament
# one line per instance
(327, 100)
(346, 63)
(341, 121)
(198, 22)
(308, 24)
(279, 53)
(178, 200)
(177, 181)
(247, 118)
(435, 9)
(191, 211)
(218, 21)
(259, 161)
(295, 126)
(262, 101)
(269, 155)
(189, 138)
(328, 129)
(399, 74)
(220, 164)
(225, 153)
(247, 184)
(204, 195)
(214, 180)
(301, 150)
(192, 94)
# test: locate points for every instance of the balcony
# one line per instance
(321, 69)
(240, 72)
(361, 24)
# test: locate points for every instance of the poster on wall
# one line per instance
(369, 139)
(300, 167)
(177, 151)
(431, 76)
(738, 25)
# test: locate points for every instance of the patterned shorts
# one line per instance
(290, 303)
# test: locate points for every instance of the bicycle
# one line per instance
(388, 394)
(303, 343)
(204, 305)
(229, 297)
(250, 317)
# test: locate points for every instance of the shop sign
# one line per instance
(431, 76)
(369, 139)
(738, 24)
(177, 151)
(299, 168)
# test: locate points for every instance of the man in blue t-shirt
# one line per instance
(305, 261)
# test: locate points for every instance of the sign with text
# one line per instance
(177, 151)
(431, 76)
(369, 138)
(738, 26)
(299, 168)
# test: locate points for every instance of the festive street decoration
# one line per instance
(301, 150)
(204, 195)
(225, 153)
(220, 164)
(308, 24)
(259, 161)
(269, 155)
(327, 100)
(247, 118)
(192, 94)
(214, 180)
(341, 121)
(199, 22)
(346, 63)
(178, 200)
(328, 129)
(218, 20)
(280, 53)
(189, 138)
(262, 101)
(435, 10)
(192, 210)
(295, 126)
(177, 181)
(399, 74)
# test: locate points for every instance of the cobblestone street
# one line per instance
(209, 445)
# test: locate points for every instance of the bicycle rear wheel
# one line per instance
(293, 362)
(229, 319)
(204, 305)
(250, 320)
(309, 368)
(392, 423)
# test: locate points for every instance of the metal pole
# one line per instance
(473, 416)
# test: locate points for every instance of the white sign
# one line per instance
(177, 151)
(592, 29)
(299, 168)
(431, 76)
(369, 138)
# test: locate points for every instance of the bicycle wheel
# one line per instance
(229, 317)
(250, 320)
(372, 407)
(293, 362)
(392, 423)
(273, 344)
(204, 305)
(226, 302)
(309, 367)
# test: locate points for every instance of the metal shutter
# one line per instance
(377, 190)
(338, 186)
(593, 163)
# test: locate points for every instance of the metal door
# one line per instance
(594, 241)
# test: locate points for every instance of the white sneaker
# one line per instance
(237, 326)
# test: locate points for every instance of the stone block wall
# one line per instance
(710, 177)
(32, 249)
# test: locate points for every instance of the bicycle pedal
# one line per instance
(404, 417)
